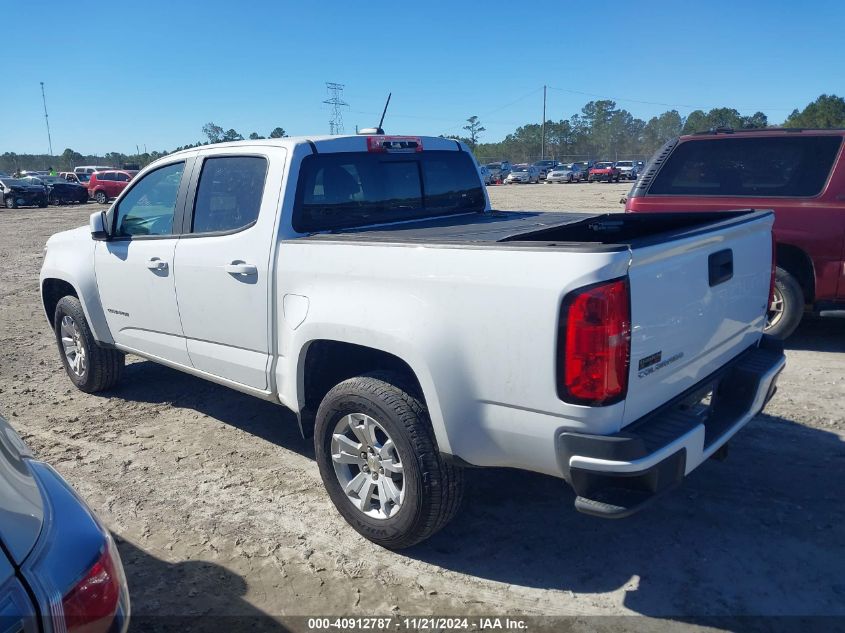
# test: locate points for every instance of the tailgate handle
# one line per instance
(721, 265)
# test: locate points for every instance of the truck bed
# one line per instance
(542, 229)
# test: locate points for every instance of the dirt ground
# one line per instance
(219, 510)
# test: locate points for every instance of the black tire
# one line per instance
(54, 200)
(103, 366)
(791, 297)
(43, 204)
(433, 488)
(101, 197)
(10, 203)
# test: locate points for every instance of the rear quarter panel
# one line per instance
(478, 327)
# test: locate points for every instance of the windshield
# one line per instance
(51, 179)
(520, 169)
(603, 165)
(83, 177)
(14, 182)
(625, 163)
(494, 165)
(349, 189)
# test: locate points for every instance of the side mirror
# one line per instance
(97, 223)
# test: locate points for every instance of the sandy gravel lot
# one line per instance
(219, 509)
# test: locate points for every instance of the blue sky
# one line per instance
(152, 72)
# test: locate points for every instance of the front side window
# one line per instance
(229, 193)
(763, 167)
(344, 190)
(149, 206)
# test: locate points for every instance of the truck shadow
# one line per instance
(760, 534)
(145, 381)
(818, 335)
(194, 595)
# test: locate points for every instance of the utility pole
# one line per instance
(543, 142)
(335, 100)
(46, 120)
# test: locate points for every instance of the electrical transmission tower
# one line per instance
(336, 101)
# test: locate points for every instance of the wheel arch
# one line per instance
(325, 362)
(798, 263)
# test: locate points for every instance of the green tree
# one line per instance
(825, 112)
(278, 132)
(475, 129)
(232, 135)
(756, 120)
(661, 129)
(254, 136)
(213, 132)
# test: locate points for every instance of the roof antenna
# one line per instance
(379, 129)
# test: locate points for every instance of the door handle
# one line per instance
(156, 263)
(240, 268)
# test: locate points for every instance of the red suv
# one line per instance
(800, 174)
(105, 185)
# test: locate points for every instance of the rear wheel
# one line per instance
(101, 197)
(786, 307)
(380, 464)
(90, 367)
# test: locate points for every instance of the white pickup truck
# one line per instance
(365, 283)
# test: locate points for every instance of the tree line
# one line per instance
(10, 162)
(600, 131)
(603, 131)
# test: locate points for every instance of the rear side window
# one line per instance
(122, 177)
(229, 193)
(795, 166)
(344, 190)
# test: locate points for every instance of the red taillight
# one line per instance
(92, 603)
(594, 344)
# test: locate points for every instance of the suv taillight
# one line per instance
(594, 344)
(92, 603)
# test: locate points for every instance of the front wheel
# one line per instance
(380, 464)
(91, 368)
(786, 306)
(11, 203)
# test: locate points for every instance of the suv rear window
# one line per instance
(796, 166)
(349, 189)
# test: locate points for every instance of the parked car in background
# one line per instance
(59, 567)
(80, 178)
(543, 167)
(499, 170)
(800, 174)
(59, 190)
(584, 167)
(90, 169)
(105, 185)
(628, 169)
(604, 171)
(17, 192)
(564, 173)
(523, 174)
(486, 176)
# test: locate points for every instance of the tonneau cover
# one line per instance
(459, 229)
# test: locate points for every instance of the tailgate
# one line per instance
(696, 302)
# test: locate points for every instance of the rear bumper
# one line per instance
(616, 475)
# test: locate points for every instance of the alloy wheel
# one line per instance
(367, 466)
(775, 313)
(72, 345)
